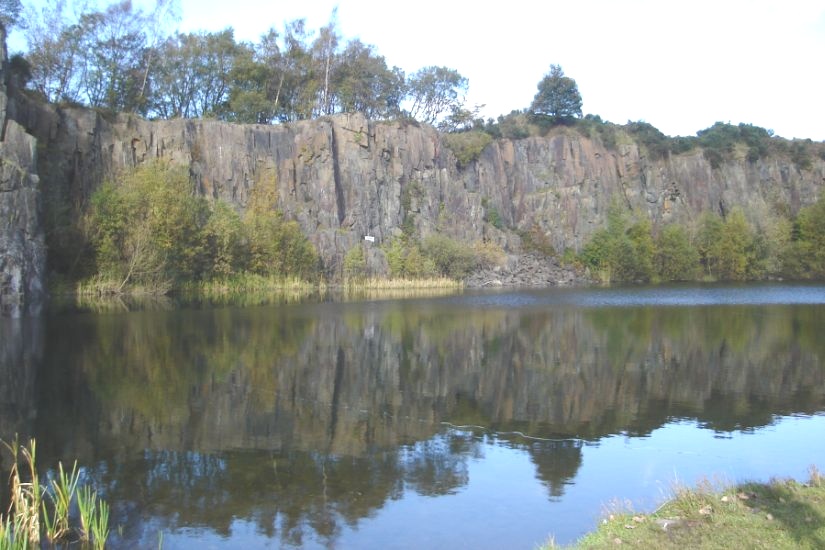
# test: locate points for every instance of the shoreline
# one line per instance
(779, 513)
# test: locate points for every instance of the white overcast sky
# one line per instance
(679, 65)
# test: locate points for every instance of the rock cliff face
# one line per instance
(344, 177)
(22, 248)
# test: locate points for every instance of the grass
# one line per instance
(246, 289)
(23, 518)
(378, 283)
(104, 286)
(379, 288)
(63, 489)
(245, 283)
(778, 514)
(29, 516)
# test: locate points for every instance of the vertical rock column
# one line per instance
(22, 239)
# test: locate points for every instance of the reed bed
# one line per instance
(246, 283)
(377, 283)
(103, 286)
(37, 509)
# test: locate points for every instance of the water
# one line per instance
(483, 420)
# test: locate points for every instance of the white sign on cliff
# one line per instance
(369, 238)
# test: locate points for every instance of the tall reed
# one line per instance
(63, 489)
(20, 527)
(86, 506)
(26, 497)
(100, 525)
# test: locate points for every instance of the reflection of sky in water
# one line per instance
(653, 296)
(505, 505)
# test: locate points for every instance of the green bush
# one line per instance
(805, 256)
(621, 251)
(147, 228)
(534, 240)
(491, 214)
(224, 241)
(467, 146)
(727, 248)
(406, 260)
(150, 229)
(676, 258)
(801, 154)
(355, 263)
(451, 258)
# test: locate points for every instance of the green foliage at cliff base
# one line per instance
(713, 248)
(439, 256)
(150, 231)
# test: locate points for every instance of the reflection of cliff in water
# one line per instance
(349, 378)
(21, 349)
(301, 419)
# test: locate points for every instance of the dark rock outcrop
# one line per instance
(22, 240)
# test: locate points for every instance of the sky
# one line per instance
(680, 66)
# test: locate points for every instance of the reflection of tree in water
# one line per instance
(289, 495)
(557, 463)
(438, 466)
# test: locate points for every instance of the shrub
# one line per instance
(467, 146)
(676, 258)
(224, 241)
(147, 227)
(355, 263)
(150, 229)
(491, 214)
(406, 260)
(621, 252)
(800, 154)
(451, 258)
(489, 254)
(534, 240)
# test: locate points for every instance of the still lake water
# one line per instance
(479, 420)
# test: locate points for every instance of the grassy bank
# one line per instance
(778, 514)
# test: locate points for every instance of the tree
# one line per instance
(363, 83)
(146, 228)
(708, 239)
(805, 256)
(676, 257)
(193, 74)
(622, 251)
(324, 54)
(735, 247)
(276, 245)
(105, 56)
(9, 13)
(114, 57)
(558, 96)
(298, 80)
(54, 52)
(434, 91)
